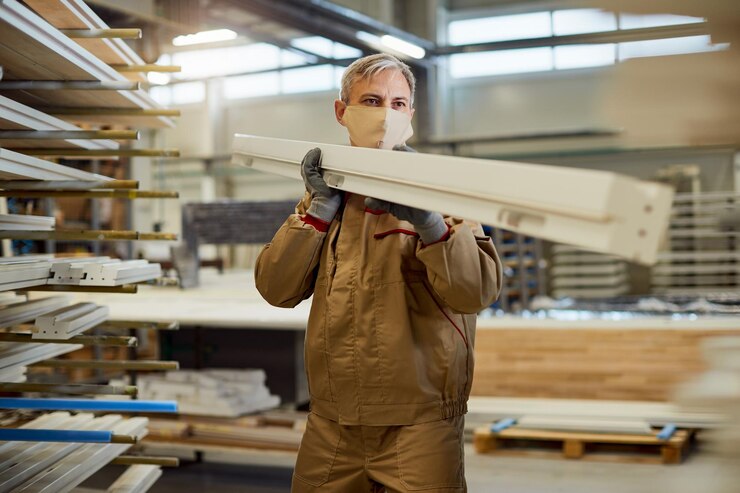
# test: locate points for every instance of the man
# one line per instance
(389, 342)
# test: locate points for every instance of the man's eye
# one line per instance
(400, 104)
(371, 101)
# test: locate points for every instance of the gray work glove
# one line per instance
(430, 225)
(325, 201)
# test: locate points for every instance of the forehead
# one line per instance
(389, 83)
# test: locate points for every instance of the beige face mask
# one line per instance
(379, 128)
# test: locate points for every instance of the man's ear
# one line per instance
(413, 110)
(339, 108)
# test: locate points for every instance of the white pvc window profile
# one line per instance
(596, 210)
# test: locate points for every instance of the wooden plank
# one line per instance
(32, 49)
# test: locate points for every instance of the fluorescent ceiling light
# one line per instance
(392, 43)
(204, 37)
(404, 47)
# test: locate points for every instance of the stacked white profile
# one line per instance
(223, 393)
(102, 271)
(582, 274)
(69, 321)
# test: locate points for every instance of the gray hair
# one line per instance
(369, 66)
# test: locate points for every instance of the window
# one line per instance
(564, 22)
(634, 21)
(501, 28)
(501, 62)
(176, 94)
(224, 61)
(248, 86)
(582, 56)
(325, 47)
(670, 46)
(309, 79)
(580, 21)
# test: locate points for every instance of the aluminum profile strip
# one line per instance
(600, 211)
(30, 222)
(29, 118)
(17, 275)
(16, 16)
(678, 269)
(17, 166)
(69, 321)
(27, 311)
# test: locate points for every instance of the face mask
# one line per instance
(379, 128)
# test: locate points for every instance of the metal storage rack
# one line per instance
(62, 86)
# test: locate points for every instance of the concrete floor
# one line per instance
(485, 474)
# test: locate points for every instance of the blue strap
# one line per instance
(79, 436)
(502, 424)
(89, 405)
(667, 432)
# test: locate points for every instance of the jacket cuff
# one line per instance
(317, 223)
(445, 236)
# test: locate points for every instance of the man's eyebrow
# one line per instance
(398, 98)
(370, 94)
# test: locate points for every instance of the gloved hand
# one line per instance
(325, 201)
(430, 225)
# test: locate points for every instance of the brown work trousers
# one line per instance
(425, 457)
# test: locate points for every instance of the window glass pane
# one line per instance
(635, 21)
(188, 93)
(671, 46)
(579, 21)
(248, 86)
(500, 28)
(224, 61)
(580, 56)
(162, 95)
(291, 59)
(319, 78)
(344, 51)
(501, 62)
(315, 44)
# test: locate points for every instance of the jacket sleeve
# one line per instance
(286, 267)
(464, 269)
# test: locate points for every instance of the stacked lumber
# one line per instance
(225, 393)
(581, 274)
(599, 363)
(272, 431)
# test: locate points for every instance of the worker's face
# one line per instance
(386, 89)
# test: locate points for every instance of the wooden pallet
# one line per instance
(588, 446)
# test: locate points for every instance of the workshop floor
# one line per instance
(485, 474)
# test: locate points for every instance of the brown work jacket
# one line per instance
(392, 325)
